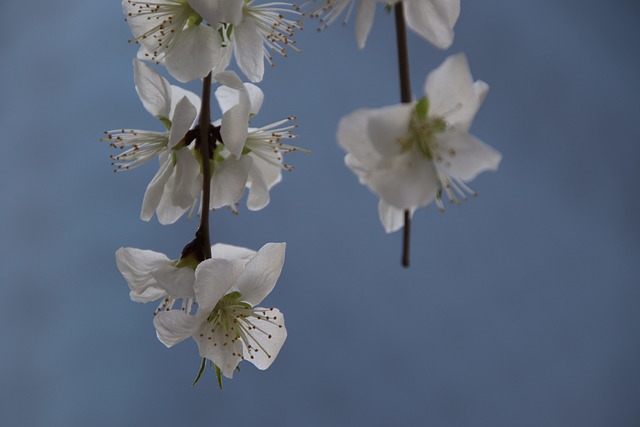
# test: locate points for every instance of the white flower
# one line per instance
(152, 275)
(254, 34)
(410, 154)
(171, 32)
(174, 188)
(431, 19)
(250, 157)
(228, 327)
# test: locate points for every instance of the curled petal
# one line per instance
(135, 265)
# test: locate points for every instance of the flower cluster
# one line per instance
(209, 293)
(410, 154)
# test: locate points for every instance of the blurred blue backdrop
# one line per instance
(520, 308)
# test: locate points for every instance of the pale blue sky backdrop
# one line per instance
(520, 308)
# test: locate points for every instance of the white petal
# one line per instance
(153, 89)
(181, 121)
(214, 278)
(433, 19)
(218, 347)
(387, 128)
(155, 189)
(405, 181)
(364, 21)
(268, 336)
(136, 266)
(218, 11)
(472, 156)
(353, 137)
(167, 211)
(187, 184)
(261, 273)
(392, 218)
(222, 250)
(228, 181)
(177, 282)
(195, 51)
(452, 93)
(249, 50)
(234, 124)
(177, 93)
(262, 177)
(175, 326)
(258, 196)
(256, 96)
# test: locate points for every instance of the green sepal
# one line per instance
(388, 7)
(194, 20)
(218, 376)
(166, 122)
(422, 108)
(189, 261)
(202, 365)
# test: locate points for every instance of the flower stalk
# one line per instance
(405, 97)
(203, 233)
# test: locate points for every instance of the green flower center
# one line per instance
(423, 129)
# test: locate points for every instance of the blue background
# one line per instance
(520, 308)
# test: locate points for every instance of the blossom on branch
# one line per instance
(174, 188)
(411, 154)
(260, 31)
(227, 326)
(249, 157)
(172, 33)
(431, 19)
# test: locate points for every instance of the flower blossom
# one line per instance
(227, 326)
(249, 157)
(411, 154)
(431, 19)
(172, 32)
(252, 34)
(173, 189)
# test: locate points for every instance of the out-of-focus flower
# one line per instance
(411, 154)
(431, 19)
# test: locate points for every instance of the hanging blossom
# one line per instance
(172, 33)
(249, 157)
(411, 154)
(433, 20)
(227, 326)
(173, 189)
(252, 35)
